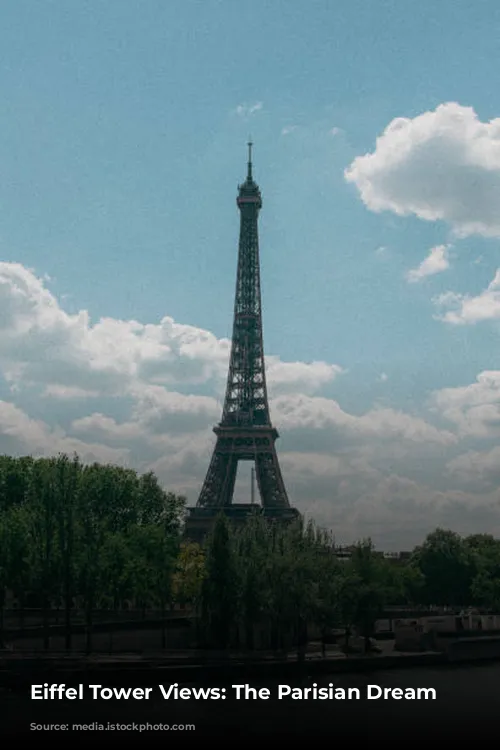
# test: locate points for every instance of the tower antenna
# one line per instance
(250, 145)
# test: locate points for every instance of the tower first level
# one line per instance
(200, 521)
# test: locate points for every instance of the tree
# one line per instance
(97, 493)
(485, 555)
(364, 589)
(67, 474)
(299, 570)
(446, 563)
(253, 551)
(114, 583)
(405, 584)
(96, 534)
(15, 571)
(153, 559)
(303, 580)
(14, 480)
(42, 521)
(188, 575)
(221, 586)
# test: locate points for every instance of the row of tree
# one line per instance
(74, 536)
(288, 578)
(85, 537)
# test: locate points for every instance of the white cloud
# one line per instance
(464, 309)
(71, 357)
(247, 110)
(68, 392)
(299, 376)
(436, 262)
(474, 408)
(395, 511)
(302, 412)
(21, 435)
(335, 131)
(383, 377)
(106, 427)
(478, 468)
(288, 129)
(441, 165)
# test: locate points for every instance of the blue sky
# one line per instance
(122, 140)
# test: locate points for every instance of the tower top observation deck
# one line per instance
(248, 192)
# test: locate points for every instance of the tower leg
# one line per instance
(218, 487)
(270, 481)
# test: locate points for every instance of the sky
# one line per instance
(376, 124)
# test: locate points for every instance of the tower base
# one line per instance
(201, 520)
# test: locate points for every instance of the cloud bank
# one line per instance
(147, 395)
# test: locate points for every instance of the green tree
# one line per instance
(299, 592)
(153, 559)
(114, 583)
(252, 548)
(97, 493)
(188, 575)
(66, 485)
(364, 589)
(221, 586)
(447, 565)
(405, 584)
(45, 561)
(14, 480)
(15, 568)
(485, 554)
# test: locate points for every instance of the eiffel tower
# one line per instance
(245, 432)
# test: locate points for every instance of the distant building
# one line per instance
(345, 553)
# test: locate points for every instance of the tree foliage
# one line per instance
(76, 536)
(87, 536)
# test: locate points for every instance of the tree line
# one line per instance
(83, 537)
(288, 578)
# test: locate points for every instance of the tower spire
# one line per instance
(250, 145)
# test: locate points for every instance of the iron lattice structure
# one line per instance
(245, 432)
